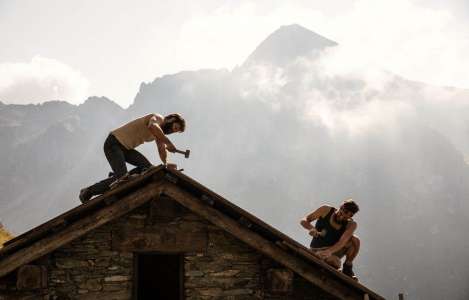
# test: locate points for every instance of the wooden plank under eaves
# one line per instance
(73, 214)
(308, 254)
(275, 235)
(79, 228)
(280, 237)
(316, 276)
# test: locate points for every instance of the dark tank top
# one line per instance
(331, 236)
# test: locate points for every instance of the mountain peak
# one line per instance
(100, 105)
(286, 44)
(95, 101)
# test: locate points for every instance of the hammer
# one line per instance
(186, 153)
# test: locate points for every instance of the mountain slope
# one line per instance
(286, 44)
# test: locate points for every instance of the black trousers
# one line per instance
(117, 156)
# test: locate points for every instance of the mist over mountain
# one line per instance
(286, 44)
(289, 130)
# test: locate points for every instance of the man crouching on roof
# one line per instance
(120, 145)
(333, 234)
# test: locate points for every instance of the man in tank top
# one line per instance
(333, 235)
(120, 145)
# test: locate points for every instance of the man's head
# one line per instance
(173, 123)
(347, 210)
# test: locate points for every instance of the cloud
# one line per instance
(421, 42)
(42, 79)
(414, 41)
(356, 98)
(225, 37)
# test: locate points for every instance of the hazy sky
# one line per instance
(70, 50)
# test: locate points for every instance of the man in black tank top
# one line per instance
(333, 235)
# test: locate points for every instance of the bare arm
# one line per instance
(346, 236)
(351, 227)
(306, 221)
(154, 125)
(162, 152)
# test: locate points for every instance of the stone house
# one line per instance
(165, 236)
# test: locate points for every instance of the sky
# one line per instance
(71, 50)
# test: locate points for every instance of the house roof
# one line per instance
(82, 219)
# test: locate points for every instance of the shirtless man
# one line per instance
(120, 145)
(333, 234)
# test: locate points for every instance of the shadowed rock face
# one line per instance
(46, 152)
(279, 144)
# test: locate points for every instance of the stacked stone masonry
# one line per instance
(100, 265)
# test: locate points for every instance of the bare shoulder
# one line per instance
(320, 212)
(352, 225)
(154, 118)
(325, 209)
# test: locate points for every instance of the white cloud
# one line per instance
(42, 79)
(226, 36)
(350, 97)
(351, 89)
(419, 42)
(344, 98)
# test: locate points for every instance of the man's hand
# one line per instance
(170, 147)
(306, 221)
(314, 233)
(305, 224)
(324, 254)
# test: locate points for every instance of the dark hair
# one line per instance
(351, 206)
(173, 118)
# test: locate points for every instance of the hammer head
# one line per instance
(187, 153)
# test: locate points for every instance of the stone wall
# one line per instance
(228, 270)
(100, 265)
(88, 269)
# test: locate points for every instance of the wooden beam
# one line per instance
(35, 233)
(39, 231)
(314, 275)
(78, 229)
(225, 204)
(305, 252)
(310, 255)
